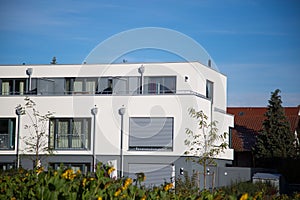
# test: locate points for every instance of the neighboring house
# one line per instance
(139, 122)
(247, 125)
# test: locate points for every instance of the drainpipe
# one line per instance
(94, 112)
(19, 113)
(121, 112)
(141, 70)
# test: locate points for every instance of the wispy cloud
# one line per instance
(245, 33)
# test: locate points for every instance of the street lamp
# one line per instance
(121, 112)
(19, 112)
(141, 70)
(29, 73)
(94, 112)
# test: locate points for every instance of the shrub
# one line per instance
(68, 184)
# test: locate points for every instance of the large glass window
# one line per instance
(13, 86)
(7, 133)
(81, 85)
(209, 89)
(159, 85)
(50, 86)
(150, 133)
(118, 85)
(70, 133)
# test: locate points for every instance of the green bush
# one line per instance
(65, 184)
(252, 189)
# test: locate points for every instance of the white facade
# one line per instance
(168, 91)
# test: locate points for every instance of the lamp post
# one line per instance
(121, 112)
(141, 70)
(29, 73)
(94, 112)
(19, 113)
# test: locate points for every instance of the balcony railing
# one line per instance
(117, 93)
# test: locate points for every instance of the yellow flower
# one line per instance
(84, 182)
(78, 171)
(68, 174)
(244, 196)
(39, 170)
(257, 195)
(99, 198)
(143, 198)
(110, 170)
(168, 186)
(13, 198)
(128, 181)
(117, 193)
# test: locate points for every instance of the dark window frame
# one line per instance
(84, 167)
(7, 140)
(163, 88)
(55, 138)
(209, 90)
(13, 87)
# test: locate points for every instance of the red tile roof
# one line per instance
(248, 122)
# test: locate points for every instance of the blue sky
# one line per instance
(256, 43)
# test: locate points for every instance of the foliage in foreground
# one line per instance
(67, 184)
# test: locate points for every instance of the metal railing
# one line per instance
(113, 93)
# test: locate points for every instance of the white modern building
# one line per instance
(133, 114)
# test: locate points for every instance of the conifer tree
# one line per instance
(276, 139)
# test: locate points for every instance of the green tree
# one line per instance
(36, 141)
(205, 144)
(276, 139)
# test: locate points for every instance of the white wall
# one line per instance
(108, 119)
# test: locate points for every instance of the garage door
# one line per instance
(156, 174)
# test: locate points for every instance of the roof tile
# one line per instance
(248, 122)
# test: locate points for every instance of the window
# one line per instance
(118, 85)
(13, 86)
(70, 133)
(6, 166)
(51, 86)
(81, 85)
(150, 133)
(209, 89)
(83, 167)
(230, 137)
(159, 85)
(105, 85)
(7, 134)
